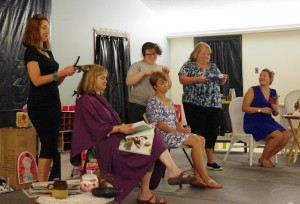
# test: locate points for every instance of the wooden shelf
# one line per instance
(65, 133)
(66, 121)
(64, 141)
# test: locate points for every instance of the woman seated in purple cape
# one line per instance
(97, 125)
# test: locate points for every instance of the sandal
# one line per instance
(157, 200)
(199, 183)
(210, 183)
(183, 178)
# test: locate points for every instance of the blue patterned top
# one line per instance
(202, 94)
(157, 111)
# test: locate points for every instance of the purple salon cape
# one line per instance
(94, 119)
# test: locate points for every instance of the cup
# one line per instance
(59, 189)
(221, 76)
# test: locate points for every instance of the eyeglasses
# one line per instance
(151, 54)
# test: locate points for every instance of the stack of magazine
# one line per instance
(141, 141)
(42, 188)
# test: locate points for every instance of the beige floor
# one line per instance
(242, 183)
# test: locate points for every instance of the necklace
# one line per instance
(44, 52)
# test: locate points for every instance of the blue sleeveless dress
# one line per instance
(260, 125)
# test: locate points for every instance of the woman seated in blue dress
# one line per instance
(260, 103)
(161, 112)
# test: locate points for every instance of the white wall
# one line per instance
(202, 16)
(72, 23)
(278, 51)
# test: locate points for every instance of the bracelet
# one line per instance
(119, 129)
(55, 77)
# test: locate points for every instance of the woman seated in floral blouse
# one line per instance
(161, 112)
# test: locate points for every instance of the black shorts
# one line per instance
(203, 121)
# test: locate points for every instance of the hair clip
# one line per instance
(84, 68)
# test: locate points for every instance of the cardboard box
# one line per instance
(14, 141)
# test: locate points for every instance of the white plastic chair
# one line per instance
(238, 135)
(289, 100)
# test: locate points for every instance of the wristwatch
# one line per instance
(259, 110)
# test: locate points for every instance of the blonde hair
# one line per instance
(32, 35)
(88, 80)
(270, 73)
(197, 50)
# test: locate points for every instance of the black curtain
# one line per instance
(226, 53)
(113, 53)
(14, 80)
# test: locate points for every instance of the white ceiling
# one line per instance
(161, 6)
(189, 16)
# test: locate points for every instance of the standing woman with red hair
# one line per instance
(44, 106)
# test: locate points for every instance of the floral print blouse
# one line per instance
(202, 94)
(157, 111)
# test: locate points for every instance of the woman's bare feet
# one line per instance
(273, 164)
(265, 163)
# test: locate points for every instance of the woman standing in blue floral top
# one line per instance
(201, 80)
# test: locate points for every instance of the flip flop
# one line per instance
(198, 185)
(183, 178)
(210, 183)
(157, 200)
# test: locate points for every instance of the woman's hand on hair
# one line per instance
(165, 70)
(69, 70)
